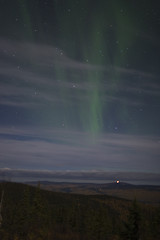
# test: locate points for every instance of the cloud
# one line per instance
(44, 56)
(79, 176)
(74, 150)
(33, 75)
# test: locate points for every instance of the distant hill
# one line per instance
(145, 193)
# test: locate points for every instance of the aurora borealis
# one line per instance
(80, 85)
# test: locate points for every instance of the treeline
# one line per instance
(29, 213)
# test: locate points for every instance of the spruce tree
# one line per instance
(39, 217)
(22, 217)
(132, 227)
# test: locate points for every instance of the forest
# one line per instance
(30, 213)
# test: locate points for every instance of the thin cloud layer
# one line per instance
(77, 151)
(29, 69)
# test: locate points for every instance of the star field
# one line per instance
(80, 85)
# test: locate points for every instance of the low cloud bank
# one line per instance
(69, 175)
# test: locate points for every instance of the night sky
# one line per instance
(80, 85)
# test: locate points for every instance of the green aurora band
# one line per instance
(93, 47)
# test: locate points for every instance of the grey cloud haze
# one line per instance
(28, 80)
(110, 151)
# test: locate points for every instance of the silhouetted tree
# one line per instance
(39, 217)
(23, 213)
(132, 227)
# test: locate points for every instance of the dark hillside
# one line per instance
(31, 214)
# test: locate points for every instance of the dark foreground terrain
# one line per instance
(30, 213)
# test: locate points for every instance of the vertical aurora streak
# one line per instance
(79, 84)
(100, 37)
(27, 24)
